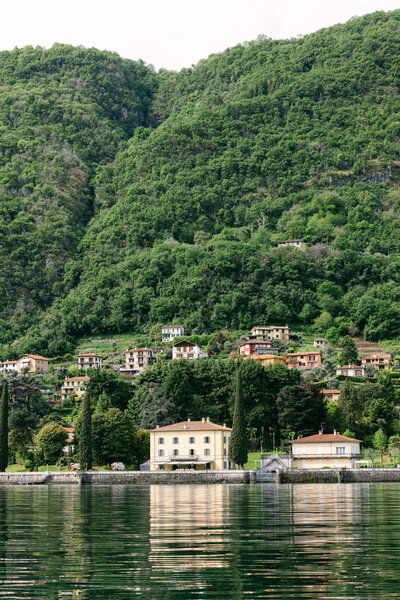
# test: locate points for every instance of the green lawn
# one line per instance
(253, 460)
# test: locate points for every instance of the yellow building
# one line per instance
(74, 386)
(266, 359)
(325, 450)
(281, 332)
(190, 445)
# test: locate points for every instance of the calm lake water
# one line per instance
(215, 541)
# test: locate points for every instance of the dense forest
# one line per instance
(130, 198)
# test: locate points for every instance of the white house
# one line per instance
(351, 371)
(185, 349)
(170, 332)
(326, 450)
(89, 361)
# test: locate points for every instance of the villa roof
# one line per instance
(8, 362)
(304, 353)
(285, 241)
(193, 426)
(90, 354)
(350, 367)
(330, 391)
(137, 349)
(324, 438)
(185, 342)
(37, 356)
(86, 378)
(171, 326)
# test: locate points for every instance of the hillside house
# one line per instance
(379, 360)
(319, 343)
(7, 366)
(74, 387)
(32, 363)
(351, 371)
(185, 349)
(331, 395)
(266, 359)
(190, 444)
(89, 361)
(256, 347)
(137, 360)
(170, 332)
(304, 360)
(271, 333)
(326, 450)
(296, 243)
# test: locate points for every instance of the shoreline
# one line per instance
(290, 476)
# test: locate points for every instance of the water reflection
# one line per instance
(216, 541)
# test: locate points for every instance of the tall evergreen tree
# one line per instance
(238, 443)
(349, 408)
(85, 437)
(349, 354)
(4, 428)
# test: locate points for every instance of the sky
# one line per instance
(170, 34)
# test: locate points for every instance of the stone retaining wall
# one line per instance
(338, 475)
(126, 477)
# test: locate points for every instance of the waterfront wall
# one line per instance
(126, 477)
(338, 475)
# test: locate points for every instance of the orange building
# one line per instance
(304, 360)
(266, 359)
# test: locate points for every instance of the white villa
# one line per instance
(325, 450)
(170, 332)
(185, 349)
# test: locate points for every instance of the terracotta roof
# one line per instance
(193, 426)
(351, 367)
(304, 353)
(172, 326)
(255, 341)
(136, 349)
(330, 391)
(377, 355)
(69, 429)
(275, 356)
(285, 241)
(8, 362)
(90, 354)
(34, 356)
(323, 438)
(86, 378)
(270, 327)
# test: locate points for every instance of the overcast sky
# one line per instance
(170, 33)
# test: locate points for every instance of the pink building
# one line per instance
(304, 360)
(256, 347)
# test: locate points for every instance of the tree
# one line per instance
(380, 441)
(85, 438)
(21, 430)
(238, 441)
(50, 441)
(300, 409)
(4, 428)
(155, 409)
(349, 354)
(106, 382)
(113, 437)
(349, 408)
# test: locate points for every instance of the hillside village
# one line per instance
(320, 368)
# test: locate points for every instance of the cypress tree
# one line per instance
(4, 428)
(238, 443)
(85, 437)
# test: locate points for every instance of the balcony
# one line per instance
(183, 457)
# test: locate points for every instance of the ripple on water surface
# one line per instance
(200, 541)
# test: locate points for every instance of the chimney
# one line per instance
(202, 419)
(157, 426)
(184, 426)
(224, 425)
(188, 419)
(334, 432)
(320, 432)
(208, 419)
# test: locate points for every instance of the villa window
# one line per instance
(191, 440)
(161, 453)
(191, 452)
(206, 439)
(340, 450)
(176, 452)
(160, 440)
(175, 440)
(207, 452)
(224, 451)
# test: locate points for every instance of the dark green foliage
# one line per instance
(301, 411)
(108, 388)
(4, 427)
(350, 408)
(113, 437)
(21, 430)
(85, 437)
(50, 441)
(238, 441)
(349, 353)
(129, 198)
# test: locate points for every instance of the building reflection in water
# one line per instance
(188, 526)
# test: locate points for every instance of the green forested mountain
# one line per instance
(132, 198)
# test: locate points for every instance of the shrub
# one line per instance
(28, 464)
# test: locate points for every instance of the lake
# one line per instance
(200, 541)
